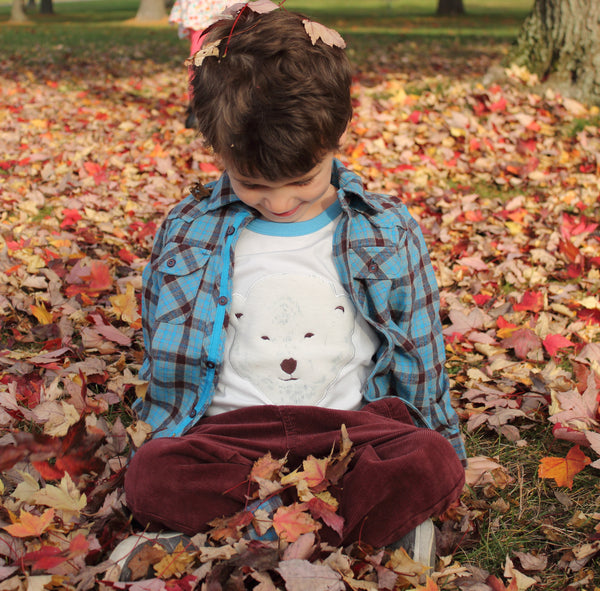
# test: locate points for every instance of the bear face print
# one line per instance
(293, 335)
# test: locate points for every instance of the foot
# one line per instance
(419, 544)
(130, 547)
(269, 505)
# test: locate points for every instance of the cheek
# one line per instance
(247, 197)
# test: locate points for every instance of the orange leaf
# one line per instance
(30, 525)
(229, 527)
(430, 585)
(291, 522)
(313, 474)
(564, 469)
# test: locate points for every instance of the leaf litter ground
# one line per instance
(503, 177)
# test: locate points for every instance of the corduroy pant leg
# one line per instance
(399, 476)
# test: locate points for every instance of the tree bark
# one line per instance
(560, 42)
(151, 10)
(17, 12)
(46, 7)
(450, 7)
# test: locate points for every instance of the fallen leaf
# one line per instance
(564, 469)
(318, 31)
(293, 521)
(29, 525)
(301, 575)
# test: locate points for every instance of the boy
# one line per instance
(286, 301)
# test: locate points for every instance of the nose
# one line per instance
(289, 365)
(279, 201)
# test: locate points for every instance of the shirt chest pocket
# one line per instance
(376, 263)
(182, 271)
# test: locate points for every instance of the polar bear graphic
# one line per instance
(293, 335)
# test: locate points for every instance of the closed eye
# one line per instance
(265, 338)
(308, 335)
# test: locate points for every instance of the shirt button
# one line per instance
(222, 300)
(193, 413)
(373, 267)
(171, 263)
(210, 364)
(230, 231)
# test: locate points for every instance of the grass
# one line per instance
(529, 514)
(107, 23)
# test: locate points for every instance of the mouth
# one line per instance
(286, 214)
(289, 379)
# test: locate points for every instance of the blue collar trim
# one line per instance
(269, 228)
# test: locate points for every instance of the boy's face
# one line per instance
(289, 200)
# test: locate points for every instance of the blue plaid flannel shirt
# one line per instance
(382, 261)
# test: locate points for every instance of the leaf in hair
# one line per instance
(260, 6)
(318, 31)
(210, 50)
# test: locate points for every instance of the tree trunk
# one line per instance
(46, 7)
(151, 10)
(17, 12)
(450, 7)
(560, 42)
(31, 5)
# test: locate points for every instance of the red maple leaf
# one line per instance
(99, 277)
(96, 171)
(72, 216)
(554, 342)
(326, 512)
(532, 301)
(523, 341)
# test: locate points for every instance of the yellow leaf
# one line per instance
(125, 306)
(590, 302)
(328, 498)
(514, 228)
(65, 498)
(42, 315)
(26, 489)
(174, 564)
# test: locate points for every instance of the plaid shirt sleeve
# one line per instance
(383, 260)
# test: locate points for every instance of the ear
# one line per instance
(343, 137)
(219, 162)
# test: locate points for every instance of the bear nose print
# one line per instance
(289, 365)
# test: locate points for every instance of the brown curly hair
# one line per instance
(272, 103)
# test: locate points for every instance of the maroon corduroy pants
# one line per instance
(399, 476)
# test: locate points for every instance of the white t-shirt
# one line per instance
(294, 336)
